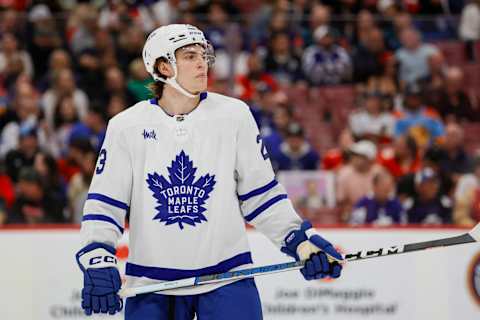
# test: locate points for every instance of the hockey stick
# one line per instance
(470, 237)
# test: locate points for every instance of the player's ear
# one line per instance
(164, 68)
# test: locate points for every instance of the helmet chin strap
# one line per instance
(174, 84)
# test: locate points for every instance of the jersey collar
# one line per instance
(177, 119)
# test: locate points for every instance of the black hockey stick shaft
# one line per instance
(387, 251)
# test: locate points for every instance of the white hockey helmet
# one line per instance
(164, 41)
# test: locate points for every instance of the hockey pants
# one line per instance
(236, 301)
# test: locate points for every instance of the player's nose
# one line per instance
(201, 63)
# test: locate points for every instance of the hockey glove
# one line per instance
(321, 259)
(101, 279)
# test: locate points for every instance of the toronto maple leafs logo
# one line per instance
(181, 200)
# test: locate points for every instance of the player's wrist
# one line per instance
(294, 238)
(96, 255)
(305, 241)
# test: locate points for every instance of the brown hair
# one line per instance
(156, 87)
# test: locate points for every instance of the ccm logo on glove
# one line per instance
(106, 259)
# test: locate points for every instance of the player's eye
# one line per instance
(190, 56)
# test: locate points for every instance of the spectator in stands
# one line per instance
(139, 81)
(26, 115)
(273, 134)
(434, 84)
(388, 9)
(299, 11)
(11, 56)
(217, 26)
(106, 49)
(372, 122)
(454, 103)
(467, 197)
(46, 166)
(43, 38)
(152, 13)
(65, 118)
(364, 25)
(59, 59)
(116, 104)
(24, 155)
(369, 56)
(93, 128)
(114, 16)
(63, 85)
(334, 158)
(381, 207)
(418, 121)
(456, 161)
(83, 24)
(33, 204)
(216, 33)
(320, 15)
(359, 171)
(279, 22)
(413, 56)
(78, 186)
(256, 79)
(401, 21)
(432, 159)
(428, 206)
(90, 73)
(295, 153)
(325, 62)
(11, 22)
(469, 29)
(130, 45)
(402, 158)
(387, 84)
(281, 61)
(115, 85)
(69, 164)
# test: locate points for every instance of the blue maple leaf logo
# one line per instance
(180, 199)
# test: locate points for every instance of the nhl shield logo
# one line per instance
(181, 199)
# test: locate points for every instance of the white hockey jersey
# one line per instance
(189, 183)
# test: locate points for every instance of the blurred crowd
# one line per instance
(397, 150)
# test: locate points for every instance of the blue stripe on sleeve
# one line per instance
(107, 200)
(258, 191)
(265, 206)
(101, 217)
(168, 274)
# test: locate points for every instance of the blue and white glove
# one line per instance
(321, 259)
(101, 279)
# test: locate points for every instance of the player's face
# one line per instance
(192, 68)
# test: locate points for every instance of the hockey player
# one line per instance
(190, 168)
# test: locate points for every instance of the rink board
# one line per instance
(40, 280)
